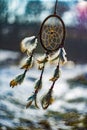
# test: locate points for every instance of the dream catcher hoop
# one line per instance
(51, 37)
(52, 33)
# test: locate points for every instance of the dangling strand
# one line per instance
(38, 84)
(28, 45)
(48, 99)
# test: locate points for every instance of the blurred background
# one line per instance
(20, 19)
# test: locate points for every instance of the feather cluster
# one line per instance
(47, 100)
(61, 55)
(38, 84)
(56, 74)
(18, 80)
(53, 57)
(41, 61)
(28, 64)
(29, 44)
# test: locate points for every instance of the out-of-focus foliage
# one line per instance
(12, 11)
(34, 8)
(3, 10)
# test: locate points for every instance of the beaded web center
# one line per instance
(52, 33)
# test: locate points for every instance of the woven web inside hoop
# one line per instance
(52, 33)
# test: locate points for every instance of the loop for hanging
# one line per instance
(55, 7)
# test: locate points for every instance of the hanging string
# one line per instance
(55, 9)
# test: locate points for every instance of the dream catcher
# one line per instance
(51, 37)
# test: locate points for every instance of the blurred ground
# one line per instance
(68, 111)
